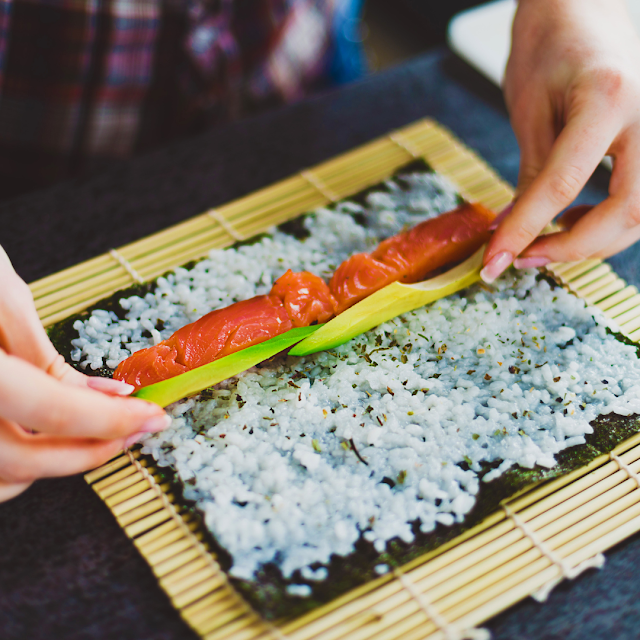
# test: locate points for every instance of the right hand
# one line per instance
(572, 87)
(54, 420)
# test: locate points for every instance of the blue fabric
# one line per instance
(348, 61)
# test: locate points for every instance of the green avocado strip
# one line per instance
(383, 305)
(187, 384)
(388, 303)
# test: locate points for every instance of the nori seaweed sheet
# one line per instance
(63, 332)
(267, 593)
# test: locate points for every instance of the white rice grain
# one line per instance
(294, 461)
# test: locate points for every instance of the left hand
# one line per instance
(572, 88)
(54, 420)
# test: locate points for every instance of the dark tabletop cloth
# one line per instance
(66, 570)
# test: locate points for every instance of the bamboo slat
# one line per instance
(545, 533)
(72, 290)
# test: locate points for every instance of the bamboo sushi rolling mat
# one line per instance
(538, 538)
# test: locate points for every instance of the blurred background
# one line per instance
(395, 31)
(201, 64)
(62, 116)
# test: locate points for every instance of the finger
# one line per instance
(10, 490)
(61, 370)
(611, 223)
(21, 332)
(534, 127)
(26, 457)
(625, 183)
(591, 233)
(110, 386)
(574, 156)
(64, 372)
(35, 400)
(622, 243)
(571, 247)
(533, 123)
(565, 222)
(596, 233)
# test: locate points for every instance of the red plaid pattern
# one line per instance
(98, 79)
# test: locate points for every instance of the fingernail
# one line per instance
(529, 263)
(496, 266)
(110, 386)
(131, 440)
(501, 216)
(158, 423)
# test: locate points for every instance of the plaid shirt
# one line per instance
(98, 79)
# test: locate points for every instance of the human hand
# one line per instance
(572, 87)
(54, 420)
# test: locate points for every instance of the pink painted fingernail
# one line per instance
(158, 423)
(496, 266)
(530, 263)
(501, 216)
(107, 385)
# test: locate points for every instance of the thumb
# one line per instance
(21, 332)
(22, 335)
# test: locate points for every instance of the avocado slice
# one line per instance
(389, 302)
(187, 384)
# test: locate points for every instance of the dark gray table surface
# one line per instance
(66, 569)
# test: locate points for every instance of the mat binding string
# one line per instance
(226, 225)
(320, 187)
(448, 630)
(567, 571)
(126, 265)
(272, 631)
(172, 509)
(403, 145)
(623, 466)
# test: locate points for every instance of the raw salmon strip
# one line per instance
(359, 276)
(216, 334)
(448, 238)
(306, 297)
(408, 257)
(150, 365)
(302, 299)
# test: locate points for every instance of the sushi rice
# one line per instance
(293, 461)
